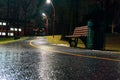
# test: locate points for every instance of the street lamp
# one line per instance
(50, 2)
(44, 14)
(46, 18)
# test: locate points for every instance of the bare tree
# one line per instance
(30, 10)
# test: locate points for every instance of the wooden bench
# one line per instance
(79, 32)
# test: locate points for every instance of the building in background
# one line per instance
(9, 29)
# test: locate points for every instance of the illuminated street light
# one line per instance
(43, 14)
(50, 2)
(46, 18)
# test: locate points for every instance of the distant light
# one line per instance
(0, 33)
(15, 29)
(0, 23)
(3, 33)
(8, 34)
(4, 23)
(12, 29)
(11, 34)
(20, 29)
(48, 1)
(43, 14)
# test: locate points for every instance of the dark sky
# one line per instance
(68, 12)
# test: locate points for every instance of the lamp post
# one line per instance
(50, 2)
(46, 18)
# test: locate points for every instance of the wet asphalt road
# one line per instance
(35, 59)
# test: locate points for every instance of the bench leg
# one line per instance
(73, 43)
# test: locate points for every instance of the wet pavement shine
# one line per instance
(36, 59)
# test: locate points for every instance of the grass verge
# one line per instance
(10, 40)
(56, 40)
(111, 42)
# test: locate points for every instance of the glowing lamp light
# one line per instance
(15, 29)
(3, 33)
(48, 1)
(0, 23)
(11, 34)
(43, 14)
(4, 23)
(12, 29)
(8, 34)
(20, 29)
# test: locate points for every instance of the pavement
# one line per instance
(36, 59)
(75, 51)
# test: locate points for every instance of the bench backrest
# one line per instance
(81, 31)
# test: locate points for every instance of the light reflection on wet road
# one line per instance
(20, 61)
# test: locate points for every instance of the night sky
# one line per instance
(69, 13)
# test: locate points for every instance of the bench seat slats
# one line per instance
(79, 32)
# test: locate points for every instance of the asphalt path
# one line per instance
(36, 59)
